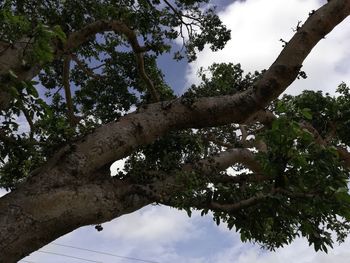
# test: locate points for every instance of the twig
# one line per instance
(238, 205)
(244, 132)
(87, 70)
(29, 120)
(77, 38)
(67, 91)
(144, 76)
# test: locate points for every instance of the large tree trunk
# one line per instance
(38, 213)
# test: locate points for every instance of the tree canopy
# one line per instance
(80, 88)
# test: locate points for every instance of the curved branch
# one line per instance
(149, 83)
(230, 157)
(78, 38)
(265, 117)
(11, 56)
(209, 168)
(67, 91)
(342, 152)
(88, 71)
(229, 208)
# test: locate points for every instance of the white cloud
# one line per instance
(167, 235)
(117, 166)
(297, 252)
(257, 26)
(2, 192)
(151, 224)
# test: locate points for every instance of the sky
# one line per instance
(166, 235)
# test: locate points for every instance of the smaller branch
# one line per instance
(65, 81)
(261, 146)
(225, 159)
(344, 156)
(240, 178)
(244, 132)
(4, 46)
(229, 208)
(181, 14)
(332, 133)
(343, 153)
(97, 67)
(27, 116)
(141, 69)
(5, 138)
(188, 26)
(211, 138)
(29, 120)
(294, 194)
(265, 117)
(83, 67)
(318, 138)
(79, 37)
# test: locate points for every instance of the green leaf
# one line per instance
(189, 212)
(306, 112)
(343, 196)
(32, 90)
(13, 74)
(59, 33)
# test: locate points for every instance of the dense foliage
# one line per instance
(100, 95)
(301, 185)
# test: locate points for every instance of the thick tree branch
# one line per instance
(241, 178)
(287, 65)
(209, 169)
(118, 139)
(89, 203)
(265, 117)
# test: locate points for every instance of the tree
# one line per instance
(71, 70)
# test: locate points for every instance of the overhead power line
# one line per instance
(68, 256)
(104, 253)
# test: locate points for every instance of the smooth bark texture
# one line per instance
(31, 217)
(71, 191)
